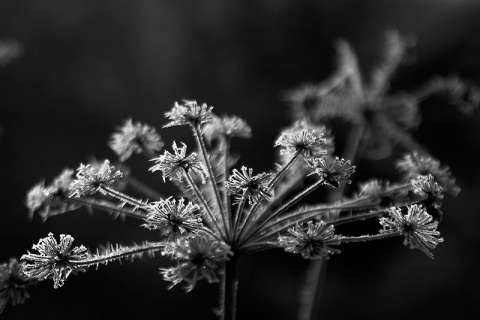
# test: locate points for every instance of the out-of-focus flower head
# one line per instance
(135, 138)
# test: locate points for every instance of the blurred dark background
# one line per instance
(88, 65)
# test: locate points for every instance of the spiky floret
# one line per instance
(135, 138)
(188, 113)
(427, 186)
(91, 179)
(332, 171)
(173, 218)
(13, 283)
(244, 182)
(176, 165)
(54, 260)
(313, 240)
(197, 256)
(226, 127)
(308, 143)
(414, 164)
(416, 226)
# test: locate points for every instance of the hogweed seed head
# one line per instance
(13, 283)
(226, 127)
(332, 171)
(175, 165)
(188, 113)
(197, 256)
(313, 240)
(413, 165)
(135, 138)
(428, 187)
(54, 260)
(255, 187)
(416, 226)
(173, 218)
(91, 179)
(308, 143)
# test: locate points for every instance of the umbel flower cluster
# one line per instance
(227, 210)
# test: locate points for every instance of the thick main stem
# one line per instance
(230, 289)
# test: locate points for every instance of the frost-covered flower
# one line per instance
(226, 127)
(175, 165)
(416, 226)
(255, 187)
(135, 138)
(334, 172)
(13, 283)
(197, 257)
(51, 199)
(413, 165)
(91, 180)
(172, 218)
(188, 113)
(54, 260)
(313, 240)
(427, 186)
(306, 142)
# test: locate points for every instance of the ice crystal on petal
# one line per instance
(13, 283)
(172, 218)
(135, 138)
(188, 113)
(334, 172)
(307, 142)
(175, 165)
(54, 260)
(313, 240)
(255, 187)
(227, 127)
(416, 226)
(91, 180)
(413, 165)
(197, 256)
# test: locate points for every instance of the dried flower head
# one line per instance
(313, 240)
(416, 226)
(413, 165)
(188, 113)
(52, 199)
(13, 283)
(54, 260)
(254, 187)
(334, 172)
(135, 138)
(91, 180)
(173, 218)
(197, 257)
(308, 143)
(304, 100)
(175, 165)
(427, 186)
(225, 126)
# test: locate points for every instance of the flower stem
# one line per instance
(143, 188)
(123, 197)
(107, 207)
(230, 289)
(201, 144)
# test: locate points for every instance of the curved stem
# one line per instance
(201, 144)
(107, 207)
(210, 216)
(123, 197)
